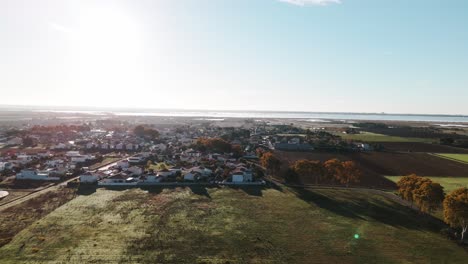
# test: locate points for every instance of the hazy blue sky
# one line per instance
(402, 56)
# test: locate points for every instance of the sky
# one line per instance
(393, 56)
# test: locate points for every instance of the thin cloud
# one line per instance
(59, 28)
(311, 2)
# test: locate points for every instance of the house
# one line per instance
(90, 145)
(166, 173)
(104, 146)
(34, 175)
(160, 147)
(72, 153)
(123, 164)
(81, 158)
(6, 166)
(54, 162)
(24, 159)
(241, 174)
(119, 146)
(153, 178)
(191, 176)
(204, 172)
(129, 146)
(89, 177)
(15, 141)
(135, 171)
(136, 159)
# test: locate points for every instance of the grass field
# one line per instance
(373, 137)
(449, 183)
(223, 225)
(456, 157)
(18, 217)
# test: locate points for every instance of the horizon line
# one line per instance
(214, 110)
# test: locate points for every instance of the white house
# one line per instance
(24, 159)
(135, 171)
(6, 166)
(72, 153)
(119, 146)
(89, 177)
(34, 175)
(242, 175)
(123, 164)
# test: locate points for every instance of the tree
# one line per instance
(28, 142)
(407, 185)
(333, 168)
(350, 174)
(270, 162)
(306, 168)
(290, 176)
(139, 131)
(456, 210)
(428, 196)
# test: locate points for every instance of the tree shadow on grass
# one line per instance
(86, 189)
(368, 209)
(200, 190)
(250, 190)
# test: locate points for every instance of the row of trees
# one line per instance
(426, 194)
(429, 195)
(334, 170)
(218, 145)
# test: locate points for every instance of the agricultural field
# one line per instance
(374, 137)
(225, 225)
(449, 183)
(376, 165)
(456, 157)
(421, 147)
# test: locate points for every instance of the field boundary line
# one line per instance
(448, 158)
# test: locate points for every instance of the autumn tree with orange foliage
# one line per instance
(306, 168)
(350, 173)
(271, 163)
(456, 210)
(427, 194)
